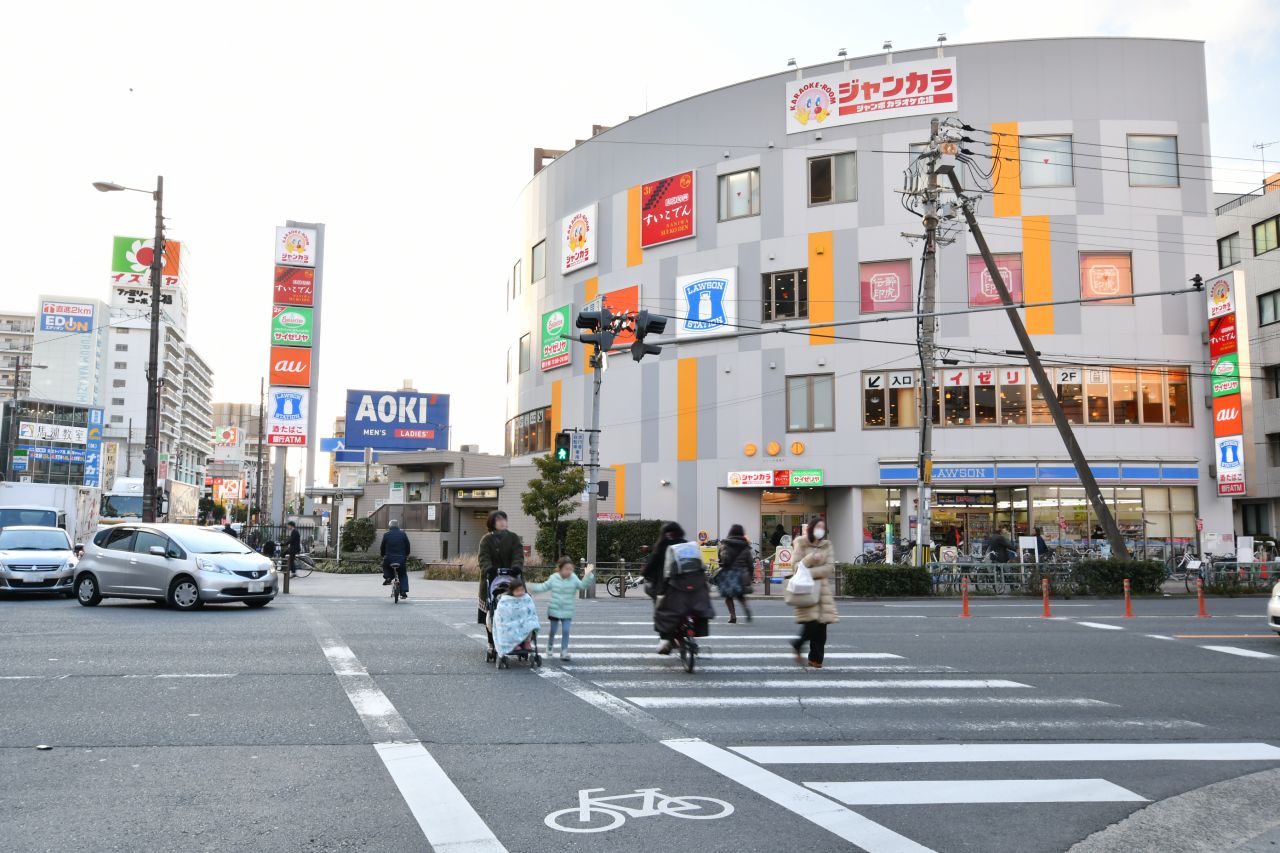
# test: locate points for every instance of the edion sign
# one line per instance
(290, 366)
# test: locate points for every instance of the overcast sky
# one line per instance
(409, 131)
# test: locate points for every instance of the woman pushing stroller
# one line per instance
(500, 549)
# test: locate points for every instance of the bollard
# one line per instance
(1128, 602)
(1044, 589)
(1265, 575)
(964, 597)
(1203, 614)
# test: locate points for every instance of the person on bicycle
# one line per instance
(395, 552)
(500, 548)
(682, 591)
(294, 548)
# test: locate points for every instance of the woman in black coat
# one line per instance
(736, 569)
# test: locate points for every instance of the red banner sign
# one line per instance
(982, 288)
(295, 286)
(666, 210)
(886, 286)
(1228, 418)
(290, 366)
(1222, 336)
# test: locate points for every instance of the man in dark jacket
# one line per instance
(293, 548)
(500, 548)
(395, 552)
(228, 529)
(999, 547)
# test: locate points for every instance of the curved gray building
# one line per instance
(747, 211)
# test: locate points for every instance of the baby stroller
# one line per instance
(512, 622)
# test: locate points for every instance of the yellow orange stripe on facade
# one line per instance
(590, 290)
(619, 489)
(1008, 177)
(556, 390)
(687, 409)
(635, 254)
(1037, 273)
(822, 287)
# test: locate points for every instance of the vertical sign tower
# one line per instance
(294, 363)
(1228, 372)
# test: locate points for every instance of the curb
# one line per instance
(1236, 815)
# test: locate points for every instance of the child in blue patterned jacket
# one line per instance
(564, 586)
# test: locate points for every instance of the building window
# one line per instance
(117, 383)
(117, 419)
(786, 295)
(1178, 394)
(1152, 396)
(1106, 278)
(117, 401)
(985, 411)
(1045, 161)
(1013, 396)
(1124, 395)
(1269, 308)
(1071, 393)
(1273, 444)
(121, 365)
(1266, 235)
(539, 262)
(517, 280)
(508, 364)
(122, 347)
(740, 195)
(1153, 161)
(1253, 520)
(529, 433)
(811, 403)
(1271, 373)
(833, 179)
(524, 353)
(1229, 250)
(1097, 390)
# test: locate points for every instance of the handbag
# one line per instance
(801, 590)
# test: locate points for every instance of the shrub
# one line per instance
(1106, 577)
(615, 540)
(875, 580)
(357, 535)
(356, 566)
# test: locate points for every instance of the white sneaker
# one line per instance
(566, 656)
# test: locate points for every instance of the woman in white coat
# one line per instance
(814, 550)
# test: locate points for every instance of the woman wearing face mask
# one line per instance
(814, 550)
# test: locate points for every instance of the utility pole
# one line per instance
(258, 486)
(927, 329)
(1047, 390)
(598, 361)
(151, 454)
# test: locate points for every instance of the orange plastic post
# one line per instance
(1128, 602)
(1044, 589)
(1265, 576)
(964, 598)
(1204, 614)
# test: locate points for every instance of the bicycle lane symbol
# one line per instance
(601, 814)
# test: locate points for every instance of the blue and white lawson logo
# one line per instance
(706, 302)
(288, 406)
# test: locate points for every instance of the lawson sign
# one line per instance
(397, 420)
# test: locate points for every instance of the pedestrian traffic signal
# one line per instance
(602, 489)
(600, 327)
(562, 446)
(646, 324)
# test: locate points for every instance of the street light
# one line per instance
(151, 454)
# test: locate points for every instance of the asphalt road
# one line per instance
(333, 720)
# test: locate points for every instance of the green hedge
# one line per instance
(881, 580)
(462, 572)
(1106, 577)
(615, 540)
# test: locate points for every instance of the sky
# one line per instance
(408, 129)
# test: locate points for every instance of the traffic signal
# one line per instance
(600, 325)
(647, 324)
(602, 489)
(562, 446)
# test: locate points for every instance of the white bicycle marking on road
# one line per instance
(652, 804)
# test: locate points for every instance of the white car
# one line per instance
(1273, 609)
(39, 560)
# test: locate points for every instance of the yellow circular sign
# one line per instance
(749, 449)
(773, 448)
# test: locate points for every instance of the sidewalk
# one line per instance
(326, 585)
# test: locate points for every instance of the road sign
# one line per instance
(332, 445)
(783, 556)
(19, 461)
(703, 536)
(1199, 524)
(578, 446)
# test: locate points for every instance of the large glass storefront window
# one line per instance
(529, 433)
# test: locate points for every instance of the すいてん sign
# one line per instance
(294, 286)
(666, 210)
(290, 366)
(886, 286)
(34, 431)
(706, 302)
(397, 420)
(871, 94)
(287, 415)
(291, 325)
(578, 238)
(1222, 336)
(295, 247)
(72, 317)
(982, 288)
(555, 341)
(1229, 455)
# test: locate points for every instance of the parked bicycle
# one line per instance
(619, 584)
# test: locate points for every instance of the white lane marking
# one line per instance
(977, 791)
(819, 684)
(1100, 625)
(1090, 726)
(1230, 650)
(726, 638)
(446, 818)
(792, 668)
(444, 815)
(975, 604)
(836, 819)
(742, 655)
(196, 675)
(608, 703)
(1008, 752)
(854, 701)
(1160, 637)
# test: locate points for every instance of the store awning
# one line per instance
(472, 483)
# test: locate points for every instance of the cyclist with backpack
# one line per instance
(682, 590)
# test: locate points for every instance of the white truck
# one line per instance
(73, 508)
(179, 503)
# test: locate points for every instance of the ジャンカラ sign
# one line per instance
(873, 93)
(578, 238)
(295, 247)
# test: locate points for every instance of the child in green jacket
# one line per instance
(564, 586)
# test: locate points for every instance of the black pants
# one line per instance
(402, 571)
(815, 634)
(733, 613)
(293, 564)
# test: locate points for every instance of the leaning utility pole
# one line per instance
(257, 489)
(1047, 389)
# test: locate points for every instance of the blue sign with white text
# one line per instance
(397, 420)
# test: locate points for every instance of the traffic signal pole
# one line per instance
(593, 462)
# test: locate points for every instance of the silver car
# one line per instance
(1273, 609)
(177, 564)
(36, 560)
